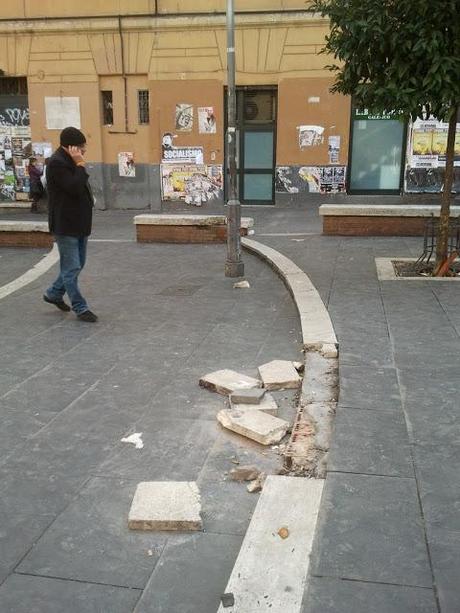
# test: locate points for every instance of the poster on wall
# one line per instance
(182, 155)
(184, 117)
(62, 112)
(310, 179)
(426, 158)
(126, 166)
(42, 150)
(333, 149)
(206, 120)
(196, 184)
(310, 136)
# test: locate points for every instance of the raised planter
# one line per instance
(185, 228)
(25, 234)
(379, 219)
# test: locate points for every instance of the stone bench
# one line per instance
(25, 234)
(185, 228)
(378, 219)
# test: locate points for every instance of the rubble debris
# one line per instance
(267, 405)
(257, 484)
(227, 381)
(227, 600)
(244, 473)
(255, 425)
(247, 396)
(279, 374)
(241, 284)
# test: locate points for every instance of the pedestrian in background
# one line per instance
(70, 209)
(36, 187)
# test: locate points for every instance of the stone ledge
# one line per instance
(185, 228)
(188, 220)
(25, 234)
(316, 325)
(385, 210)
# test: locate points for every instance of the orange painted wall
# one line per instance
(294, 109)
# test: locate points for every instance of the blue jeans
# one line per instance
(72, 258)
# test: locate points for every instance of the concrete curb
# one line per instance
(316, 325)
(306, 452)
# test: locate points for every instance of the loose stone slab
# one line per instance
(279, 374)
(250, 396)
(267, 405)
(271, 572)
(256, 425)
(166, 505)
(227, 381)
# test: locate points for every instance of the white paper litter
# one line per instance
(134, 439)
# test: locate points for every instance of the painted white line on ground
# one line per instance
(31, 275)
(270, 573)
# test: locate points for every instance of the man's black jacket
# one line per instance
(70, 200)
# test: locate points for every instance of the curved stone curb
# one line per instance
(308, 446)
(316, 325)
(32, 274)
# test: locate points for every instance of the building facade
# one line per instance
(145, 80)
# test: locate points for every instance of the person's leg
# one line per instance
(70, 260)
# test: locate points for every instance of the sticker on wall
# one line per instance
(126, 167)
(196, 184)
(184, 117)
(206, 120)
(62, 112)
(44, 150)
(310, 136)
(334, 149)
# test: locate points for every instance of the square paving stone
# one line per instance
(166, 505)
(174, 449)
(444, 549)
(90, 540)
(439, 482)
(27, 594)
(370, 442)
(370, 529)
(326, 595)
(191, 575)
(369, 388)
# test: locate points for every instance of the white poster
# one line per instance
(62, 112)
(206, 120)
(184, 117)
(126, 167)
(310, 136)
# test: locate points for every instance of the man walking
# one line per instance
(70, 203)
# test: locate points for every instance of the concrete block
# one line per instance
(227, 381)
(250, 396)
(279, 374)
(271, 572)
(256, 425)
(329, 350)
(267, 405)
(166, 505)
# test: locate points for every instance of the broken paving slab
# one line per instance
(256, 425)
(249, 396)
(266, 405)
(279, 374)
(227, 381)
(166, 505)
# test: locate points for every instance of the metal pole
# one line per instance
(234, 266)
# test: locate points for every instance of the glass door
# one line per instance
(256, 143)
(376, 154)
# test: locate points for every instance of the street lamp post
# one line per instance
(234, 266)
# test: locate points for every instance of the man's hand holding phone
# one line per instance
(76, 153)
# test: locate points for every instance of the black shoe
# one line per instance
(60, 304)
(87, 316)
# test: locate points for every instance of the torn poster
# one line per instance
(206, 120)
(310, 136)
(126, 167)
(184, 117)
(333, 149)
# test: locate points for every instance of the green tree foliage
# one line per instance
(399, 56)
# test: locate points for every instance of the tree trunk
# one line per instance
(443, 231)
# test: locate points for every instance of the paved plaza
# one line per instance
(388, 536)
